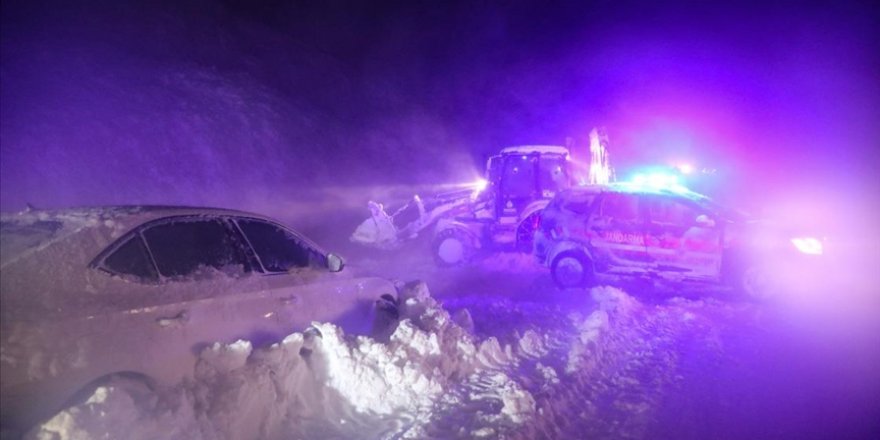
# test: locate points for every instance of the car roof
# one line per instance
(542, 149)
(629, 188)
(32, 229)
(92, 216)
(50, 252)
(117, 211)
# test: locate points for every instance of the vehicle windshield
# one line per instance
(720, 210)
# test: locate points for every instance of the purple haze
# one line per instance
(177, 103)
(227, 103)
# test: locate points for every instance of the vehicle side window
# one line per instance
(620, 207)
(578, 205)
(278, 249)
(552, 173)
(668, 211)
(519, 176)
(132, 259)
(183, 247)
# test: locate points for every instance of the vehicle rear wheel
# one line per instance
(571, 269)
(452, 247)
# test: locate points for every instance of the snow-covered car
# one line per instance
(671, 234)
(135, 293)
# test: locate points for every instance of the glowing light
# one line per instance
(480, 184)
(686, 168)
(662, 180)
(600, 167)
(657, 181)
(808, 245)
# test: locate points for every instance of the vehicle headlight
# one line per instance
(808, 245)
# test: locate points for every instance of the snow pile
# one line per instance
(320, 384)
(540, 374)
(121, 409)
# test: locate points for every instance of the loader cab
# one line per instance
(522, 175)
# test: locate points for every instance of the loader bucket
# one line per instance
(378, 230)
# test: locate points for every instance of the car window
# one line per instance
(183, 247)
(579, 204)
(620, 206)
(277, 248)
(669, 211)
(132, 259)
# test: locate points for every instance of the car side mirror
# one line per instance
(335, 263)
(704, 221)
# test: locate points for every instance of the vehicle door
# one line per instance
(298, 279)
(200, 280)
(189, 274)
(682, 239)
(616, 233)
(568, 217)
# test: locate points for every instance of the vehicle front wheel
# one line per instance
(452, 247)
(571, 269)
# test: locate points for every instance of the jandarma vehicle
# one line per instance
(669, 233)
(134, 293)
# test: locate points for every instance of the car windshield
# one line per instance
(720, 210)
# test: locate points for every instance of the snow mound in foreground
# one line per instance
(432, 378)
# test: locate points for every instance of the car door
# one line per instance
(207, 290)
(297, 278)
(571, 216)
(617, 233)
(677, 243)
(199, 280)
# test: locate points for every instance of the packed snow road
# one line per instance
(494, 350)
(682, 363)
(685, 364)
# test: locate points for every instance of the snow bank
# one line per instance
(431, 378)
(322, 384)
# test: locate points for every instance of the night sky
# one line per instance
(223, 102)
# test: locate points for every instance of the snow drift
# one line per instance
(430, 378)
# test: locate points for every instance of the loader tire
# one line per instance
(452, 247)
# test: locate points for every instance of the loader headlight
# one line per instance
(478, 186)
